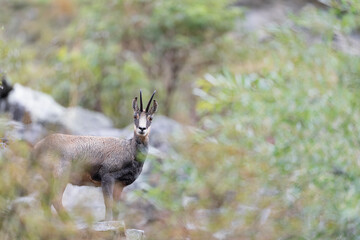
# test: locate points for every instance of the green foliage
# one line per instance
(345, 16)
(172, 35)
(275, 153)
(99, 55)
(96, 74)
(186, 24)
(294, 151)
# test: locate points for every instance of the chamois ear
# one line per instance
(154, 108)
(135, 105)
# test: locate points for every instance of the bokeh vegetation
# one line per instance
(96, 52)
(276, 153)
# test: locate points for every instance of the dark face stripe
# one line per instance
(142, 117)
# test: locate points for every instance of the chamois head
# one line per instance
(143, 117)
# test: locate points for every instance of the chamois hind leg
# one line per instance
(61, 175)
(118, 188)
(57, 203)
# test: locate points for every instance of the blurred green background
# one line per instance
(276, 153)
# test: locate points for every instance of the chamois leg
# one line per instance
(61, 175)
(107, 185)
(118, 188)
(57, 203)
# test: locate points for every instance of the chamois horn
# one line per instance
(141, 103)
(148, 106)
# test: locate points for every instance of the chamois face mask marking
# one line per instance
(143, 117)
(142, 124)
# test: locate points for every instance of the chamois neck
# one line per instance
(140, 140)
(140, 147)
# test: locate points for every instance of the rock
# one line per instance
(11, 130)
(348, 44)
(104, 226)
(41, 107)
(134, 234)
(163, 131)
(14, 130)
(44, 112)
(109, 226)
(262, 14)
(111, 132)
(30, 110)
(113, 230)
(80, 121)
(84, 199)
(33, 133)
(104, 230)
(272, 13)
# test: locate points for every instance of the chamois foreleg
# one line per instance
(107, 185)
(118, 188)
(112, 190)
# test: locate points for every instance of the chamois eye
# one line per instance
(136, 116)
(150, 118)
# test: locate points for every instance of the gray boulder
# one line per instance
(80, 121)
(40, 112)
(14, 131)
(41, 107)
(116, 228)
(33, 133)
(134, 234)
(163, 131)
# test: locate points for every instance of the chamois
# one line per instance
(108, 162)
